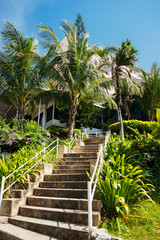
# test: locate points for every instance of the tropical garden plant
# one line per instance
(20, 77)
(151, 90)
(12, 139)
(119, 62)
(121, 185)
(125, 187)
(73, 69)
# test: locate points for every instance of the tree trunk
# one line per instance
(72, 118)
(119, 106)
(126, 107)
(20, 118)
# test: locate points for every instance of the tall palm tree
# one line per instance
(19, 72)
(75, 69)
(119, 62)
(151, 91)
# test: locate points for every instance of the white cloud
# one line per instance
(15, 10)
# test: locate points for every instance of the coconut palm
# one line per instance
(19, 72)
(73, 69)
(151, 88)
(118, 63)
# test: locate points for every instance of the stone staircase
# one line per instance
(58, 209)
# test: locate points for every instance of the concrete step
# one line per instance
(65, 203)
(91, 141)
(60, 192)
(75, 163)
(64, 184)
(59, 214)
(88, 147)
(60, 230)
(69, 166)
(88, 155)
(12, 232)
(84, 159)
(66, 177)
(86, 151)
(61, 171)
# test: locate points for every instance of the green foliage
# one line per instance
(19, 71)
(87, 115)
(148, 150)
(11, 162)
(122, 185)
(61, 132)
(74, 70)
(156, 127)
(143, 152)
(141, 126)
(143, 225)
(14, 161)
(80, 27)
(11, 138)
(151, 86)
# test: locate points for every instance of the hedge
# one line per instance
(141, 126)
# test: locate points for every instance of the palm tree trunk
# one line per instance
(126, 107)
(21, 117)
(72, 118)
(119, 107)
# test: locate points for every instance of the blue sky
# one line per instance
(108, 22)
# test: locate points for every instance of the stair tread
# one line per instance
(23, 234)
(71, 165)
(65, 182)
(61, 210)
(62, 198)
(75, 174)
(46, 222)
(62, 189)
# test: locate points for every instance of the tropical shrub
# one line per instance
(122, 184)
(121, 187)
(140, 126)
(62, 132)
(156, 127)
(27, 158)
(11, 139)
(147, 150)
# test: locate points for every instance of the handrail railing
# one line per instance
(91, 190)
(57, 142)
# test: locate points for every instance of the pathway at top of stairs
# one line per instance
(59, 207)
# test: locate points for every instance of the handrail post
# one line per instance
(2, 189)
(57, 146)
(89, 207)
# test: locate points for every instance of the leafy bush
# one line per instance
(24, 156)
(140, 126)
(62, 132)
(121, 186)
(156, 127)
(148, 150)
(11, 139)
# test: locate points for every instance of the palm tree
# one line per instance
(74, 70)
(119, 62)
(19, 72)
(151, 91)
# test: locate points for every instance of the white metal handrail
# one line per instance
(57, 142)
(91, 190)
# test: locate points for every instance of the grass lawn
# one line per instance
(140, 228)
